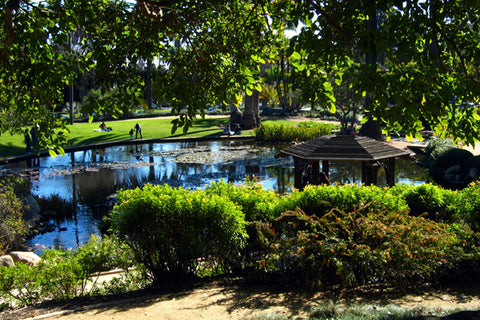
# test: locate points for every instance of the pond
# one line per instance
(89, 179)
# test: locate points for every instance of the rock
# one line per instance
(7, 261)
(32, 210)
(453, 169)
(49, 214)
(28, 258)
(473, 174)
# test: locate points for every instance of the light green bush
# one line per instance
(173, 231)
(318, 200)
(303, 131)
(255, 202)
(67, 274)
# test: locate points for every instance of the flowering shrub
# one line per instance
(364, 246)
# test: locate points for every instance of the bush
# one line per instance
(318, 200)
(287, 133)
(365, 246)
(174, 231)
(66, 274)
(435, 148)
(469, 206)
(255, 202)
(432, 201)
(13, 228)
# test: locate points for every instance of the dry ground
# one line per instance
(229, 301)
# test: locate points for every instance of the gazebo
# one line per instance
(373, 154)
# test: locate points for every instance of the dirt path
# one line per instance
(233, 302)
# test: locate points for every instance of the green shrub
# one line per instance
(318, 200)
(66, 274)
(255, 202)
(13, 228)
(103, 254)
(432, 201)
(365, 246)
(435, 148)
(469, 205)
(286, 133)
(172, 230)
(20, 185)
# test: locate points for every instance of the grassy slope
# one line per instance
(152, 128)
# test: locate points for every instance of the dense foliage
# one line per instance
(365, 246)
(345, 234)
(66, 274)
(13, 228)
(303, 131)
(324, 235)
(174, 231)
(414, 62)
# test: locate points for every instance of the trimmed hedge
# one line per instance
(303, 131)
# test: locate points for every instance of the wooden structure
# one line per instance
(372, 153)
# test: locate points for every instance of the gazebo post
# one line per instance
(325, 166)
(390, 171)
(298, 171)
(369, 173)
(315, 172)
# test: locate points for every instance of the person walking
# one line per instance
(138, 130)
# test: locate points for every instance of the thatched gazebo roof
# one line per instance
(344, 147)
(370, 152)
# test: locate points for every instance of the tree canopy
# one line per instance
(416, 61)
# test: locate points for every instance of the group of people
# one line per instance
(104, 127)
(137, 130)
(31, 139)
(232, 129)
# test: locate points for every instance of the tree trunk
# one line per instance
(149, 85)
(251, 115)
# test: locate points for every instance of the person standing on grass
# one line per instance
(138, 130)
(33, 134)
(28, 141)
(131, 134)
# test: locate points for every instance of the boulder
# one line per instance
(473, 174)
(32, 210)
(7, 261)
(26, 257)
(453, 169)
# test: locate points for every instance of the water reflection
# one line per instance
(90, 178)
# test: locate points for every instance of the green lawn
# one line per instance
(82, 134)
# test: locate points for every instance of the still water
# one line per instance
(89, 179)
